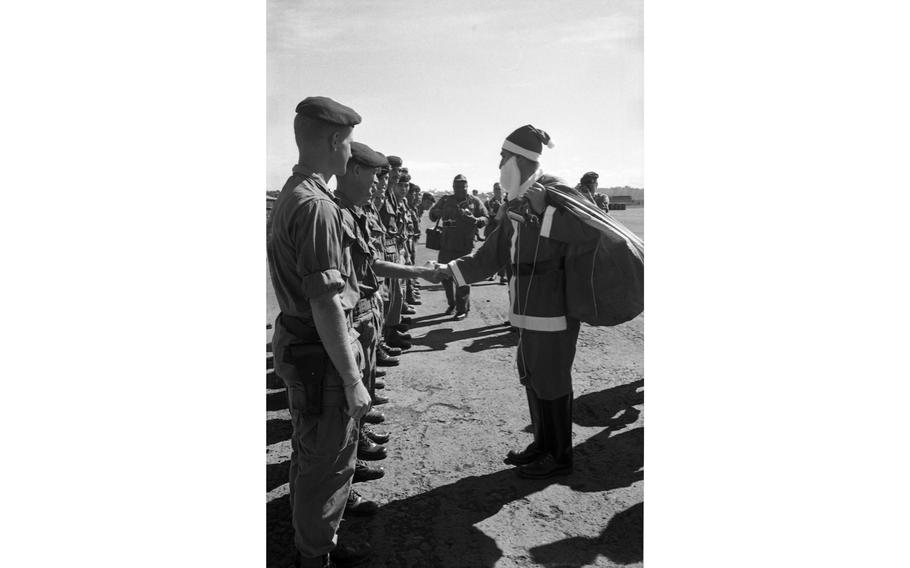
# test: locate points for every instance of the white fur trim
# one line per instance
(547, 224)
(550, 144)
(516, 149)
(538, 323)
(459, 279)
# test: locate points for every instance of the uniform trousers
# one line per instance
(323, 454)
(458, 296)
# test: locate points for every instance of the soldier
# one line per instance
(493, 204)
(461, 215)
(316, 352)
(353, 193)
(391, 217)
(533, 239)
(588, 188)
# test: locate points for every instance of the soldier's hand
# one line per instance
(358, 400)
(537, 198)
(444, 272)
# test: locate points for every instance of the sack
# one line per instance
(434, 237)
(605, 280)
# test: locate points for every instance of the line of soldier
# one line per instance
(339, 321)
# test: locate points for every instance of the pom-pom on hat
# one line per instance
(327, 110)
(527, 141)
(363, 154)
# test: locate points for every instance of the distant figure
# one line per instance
(493, 205)
(461, 214)
(588, 187)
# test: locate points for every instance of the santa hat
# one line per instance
(527, 141)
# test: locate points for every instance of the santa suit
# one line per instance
(535, 249)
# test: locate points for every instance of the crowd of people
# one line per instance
(342, 265)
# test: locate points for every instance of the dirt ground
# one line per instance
(456, 408)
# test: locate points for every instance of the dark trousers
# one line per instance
(458, 296)
(545, 360)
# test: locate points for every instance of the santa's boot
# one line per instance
(557, 431)
(536, 448)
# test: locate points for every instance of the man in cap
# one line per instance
(391, 217)
(352, 193)
(533, 239)
(461, 214)
(316, 352)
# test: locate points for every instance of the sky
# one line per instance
(441, 84)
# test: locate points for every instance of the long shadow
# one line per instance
(438, 528)
(277, 430)
(505, 339)
(276, 474)
(429, 320)
(276, 400)
(438, 339)
(613, 407)
(621, 541)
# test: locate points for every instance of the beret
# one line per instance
(589, 176)
(404, 178)
(363, 154)
(327, 110)
(395, 161)
(460, 177)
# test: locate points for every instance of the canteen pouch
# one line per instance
(311, 362)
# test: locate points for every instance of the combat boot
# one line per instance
(369, 450)
(537, 448)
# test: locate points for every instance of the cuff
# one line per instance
(459, 279)
(547, 224)
(320, 283)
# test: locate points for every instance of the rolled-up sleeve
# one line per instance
(320, 252)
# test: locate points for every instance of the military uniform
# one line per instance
(309, 256)
(457, 240)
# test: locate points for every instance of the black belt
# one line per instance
(302, 330)
(363, 310)
(526, 268)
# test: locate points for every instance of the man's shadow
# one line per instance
(621, 541)
(438, 339)
(439, 527)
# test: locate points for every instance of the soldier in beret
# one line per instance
(352, 193)
(316, 351)
(391, 217)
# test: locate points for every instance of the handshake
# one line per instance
(434, 272)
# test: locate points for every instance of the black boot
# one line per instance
(557, 431)
(536, 448)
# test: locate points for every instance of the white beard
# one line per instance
(510, 179)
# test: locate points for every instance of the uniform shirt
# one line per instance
(536, 248)
(458, 229)
(309, 255)
(363, 254)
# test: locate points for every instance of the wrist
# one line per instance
(350, 384)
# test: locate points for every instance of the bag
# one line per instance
(434, 237)
(605, 280)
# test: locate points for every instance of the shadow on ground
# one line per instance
(438, 339)
(621, 541)
(438, 527)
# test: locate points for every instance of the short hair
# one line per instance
(308, 129)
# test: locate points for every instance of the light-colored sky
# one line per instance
(441, 84)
